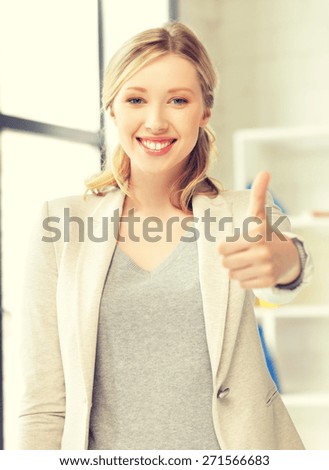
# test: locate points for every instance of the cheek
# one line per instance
(191, 129)
(194, 120)
(125, 127)
(128, 122)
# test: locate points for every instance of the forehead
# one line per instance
(169, 70)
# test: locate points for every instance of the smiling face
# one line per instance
(158, 113)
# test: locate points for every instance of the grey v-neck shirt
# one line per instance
(153, 386)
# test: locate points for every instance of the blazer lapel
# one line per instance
(214, 280)
(94, 259)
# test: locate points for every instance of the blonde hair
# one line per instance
(130, 58)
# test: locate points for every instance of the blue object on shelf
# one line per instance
(268, 358)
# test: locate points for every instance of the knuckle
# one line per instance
(225, 263)
(232, 274)
(221, 249)
(269, 270)
(265, 253)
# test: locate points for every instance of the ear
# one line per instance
(111, 114)
(205, 118)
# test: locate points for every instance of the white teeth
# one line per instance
(156, 145)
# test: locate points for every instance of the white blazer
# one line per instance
(59, 319)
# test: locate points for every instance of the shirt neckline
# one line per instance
(163, 264)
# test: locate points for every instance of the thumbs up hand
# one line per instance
(260, 258)
(257, 198)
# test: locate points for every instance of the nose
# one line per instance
(156, 121)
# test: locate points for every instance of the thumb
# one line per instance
(256, 207)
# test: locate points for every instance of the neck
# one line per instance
(150, 195)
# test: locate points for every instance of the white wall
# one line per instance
(273, 60)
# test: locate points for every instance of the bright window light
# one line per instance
(49, 61)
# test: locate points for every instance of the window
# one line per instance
(52, 56)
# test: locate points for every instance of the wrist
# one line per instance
(295, 276)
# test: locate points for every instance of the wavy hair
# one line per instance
(129, 59)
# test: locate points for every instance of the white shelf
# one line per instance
(296, 158)
(309, 221)
(293, 311)
(279, 134)
(306, 399)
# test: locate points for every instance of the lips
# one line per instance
(156, 146)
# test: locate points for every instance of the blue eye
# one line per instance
(179, 101)
(135, 100)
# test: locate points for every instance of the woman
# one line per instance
(144, 337)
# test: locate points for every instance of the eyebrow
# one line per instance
(172, 90)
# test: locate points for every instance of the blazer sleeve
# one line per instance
(42, 404)
(281, 295)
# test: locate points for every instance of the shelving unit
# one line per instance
(297, 333)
